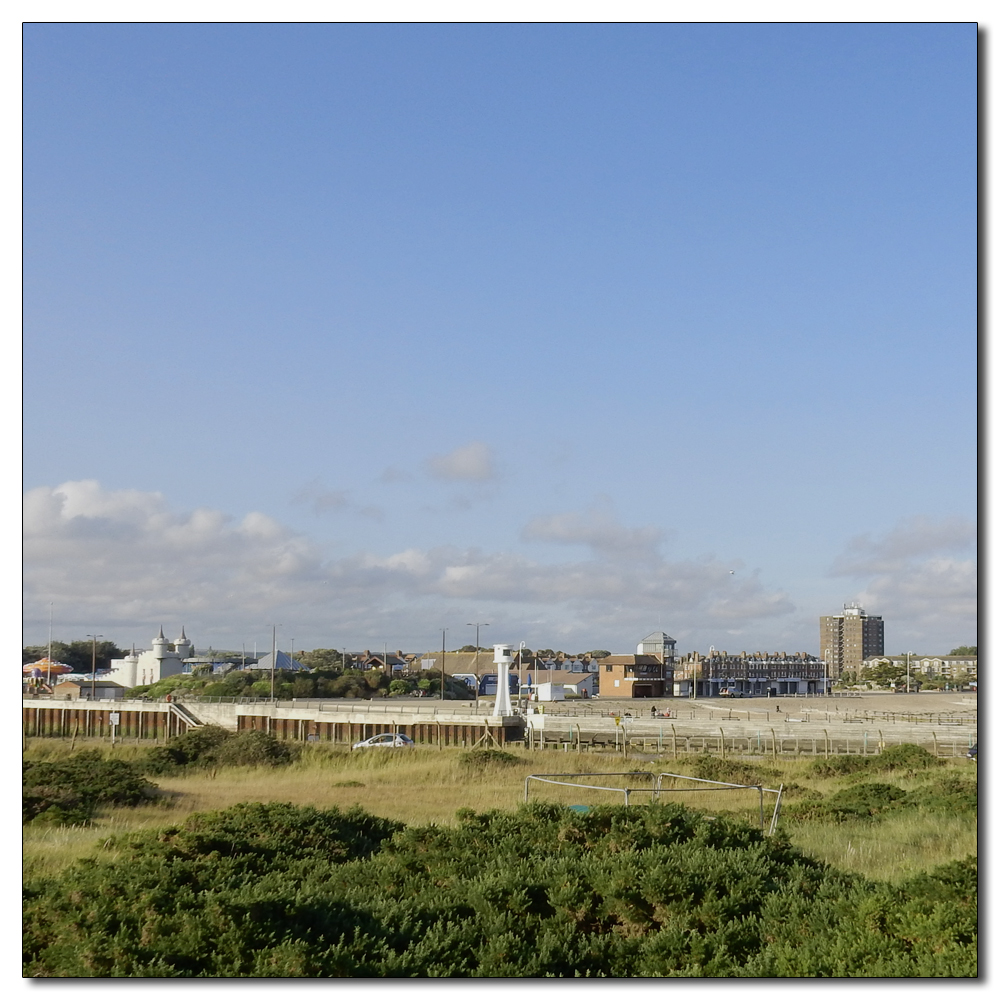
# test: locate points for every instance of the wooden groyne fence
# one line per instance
(454, 725)
(342, 724)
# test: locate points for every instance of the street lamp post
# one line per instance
(477, 626)
(443, 632)
(908, 655)
(520, 674)
(826, 669)
(93, 667)
(274, 655)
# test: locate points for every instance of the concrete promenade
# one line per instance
(944, 723)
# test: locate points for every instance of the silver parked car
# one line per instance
(384, 740)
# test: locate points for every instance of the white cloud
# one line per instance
(124, 562)
(921, 576)
(471, 462)
(597, 529)
(322, 500)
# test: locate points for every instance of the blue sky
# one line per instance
(581, 330)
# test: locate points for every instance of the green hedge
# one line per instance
(68, 791)
(275, 890)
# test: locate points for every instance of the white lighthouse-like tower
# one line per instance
(503, 657)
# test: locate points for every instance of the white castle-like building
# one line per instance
(152, 665)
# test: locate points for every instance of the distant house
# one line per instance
(283, 661)
(933, 666)
(749, 674)
(569, 681)
(397, 662)
(82, 690)
(638, 675)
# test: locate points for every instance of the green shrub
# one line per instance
(736, 772)
(195, 746)
(481, 760)
(947, 795)
(273, 890)
(904, 757)
(867, 801)
(255, 749)
(839, 766)
(68, 791)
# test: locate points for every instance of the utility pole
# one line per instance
(274, 655)
(48, 680)
(475, 669)
(93, 667)
(443, 631)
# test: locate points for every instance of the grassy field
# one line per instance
(427, 785)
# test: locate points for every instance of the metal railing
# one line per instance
(656, 790)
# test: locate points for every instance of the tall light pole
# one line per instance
(443, 631)
(274, 655)
(93, 667)
(908, 655)
(826, 668)
(475, 669)
(48, 679)
(520, 673)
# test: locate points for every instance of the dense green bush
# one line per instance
(198, 746)
(872, 799)
(213, 746)
(274, 890)
(950, 794)
(488, 758)
(255, 749)
(736, 772)
(69, 790)
(906, 757)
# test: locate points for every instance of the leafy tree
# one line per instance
(884, 672)
(77, 654)
(599, 654)
(304, 687)
(961, 679)
(965, 651)
(322, 659)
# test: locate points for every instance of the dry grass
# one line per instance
(427, 785)
(893, 849)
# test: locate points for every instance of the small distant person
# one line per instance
(777, 708)
(652, 711)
